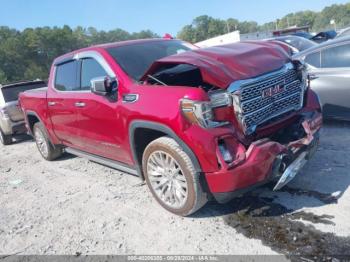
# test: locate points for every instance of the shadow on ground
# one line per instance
(272, 217)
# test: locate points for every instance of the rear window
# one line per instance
(11, 93)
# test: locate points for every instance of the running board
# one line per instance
(103, 161)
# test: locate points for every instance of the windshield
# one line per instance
(299, 43)
(135, 59)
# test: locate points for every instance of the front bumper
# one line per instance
(266, 160)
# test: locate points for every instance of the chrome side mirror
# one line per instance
(103, 86)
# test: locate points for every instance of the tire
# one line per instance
(45, 147)
(171, 177)
(5, 139)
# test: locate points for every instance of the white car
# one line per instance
(11, 116)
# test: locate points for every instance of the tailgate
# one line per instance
(14, 111)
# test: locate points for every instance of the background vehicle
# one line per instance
(11, 116)
(344, 32)
(192, 123)
(329, 70)
(303, 34)
(296, 43)
(324, 36)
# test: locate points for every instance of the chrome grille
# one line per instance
(255, 109)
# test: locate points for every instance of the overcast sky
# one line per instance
(160, 16)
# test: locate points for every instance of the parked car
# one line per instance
(329, 69)
(324, 36)
(191, 122)
(343, 32)
(303, 34)
(296, 43)
(11, 116)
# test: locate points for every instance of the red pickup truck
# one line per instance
(194, 123)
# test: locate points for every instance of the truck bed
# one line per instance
(34, 100)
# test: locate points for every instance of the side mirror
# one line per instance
(103, 86)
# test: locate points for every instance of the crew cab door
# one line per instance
(61, 101)
(98, 118)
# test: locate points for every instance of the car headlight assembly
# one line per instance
(201, 112)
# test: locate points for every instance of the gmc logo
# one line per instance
(271, 91)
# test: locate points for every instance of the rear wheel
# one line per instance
(5, 139)
(171, 177)
(45, 147)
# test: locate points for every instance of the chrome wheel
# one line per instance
(41, 142)
(167, 179)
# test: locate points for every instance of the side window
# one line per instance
(90, 69)
(66, 76)
(314, 59)
(338, 56)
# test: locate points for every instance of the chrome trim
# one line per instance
(98, 57)
(291, 171)
(131, 102)
(102, 160)
(237, 87)
(79, 104)
(262, 108)
(87, 54)
(256, 98)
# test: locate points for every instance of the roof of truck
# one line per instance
(109, 45)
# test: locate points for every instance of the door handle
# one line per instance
(51, 103)
(80, 104)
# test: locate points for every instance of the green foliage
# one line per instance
(205, 27)
(28, 54)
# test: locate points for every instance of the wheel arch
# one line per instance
(137, 127)
(31, 118)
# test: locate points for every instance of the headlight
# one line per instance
(201, 113)
(220, 98)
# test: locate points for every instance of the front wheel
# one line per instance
(171, 177)
(45, 147)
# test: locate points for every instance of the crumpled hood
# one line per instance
(222, 65)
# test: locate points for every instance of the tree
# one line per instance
(28, 54)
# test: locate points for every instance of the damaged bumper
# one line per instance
(265, 161)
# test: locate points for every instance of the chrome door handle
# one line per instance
(80, 104)
(51, 103)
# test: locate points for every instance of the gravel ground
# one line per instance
(73, 206)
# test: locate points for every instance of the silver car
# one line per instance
(11, 116)
(329, 71)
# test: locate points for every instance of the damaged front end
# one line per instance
(267, 116)
(277, 158)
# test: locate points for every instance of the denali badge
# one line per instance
(271, 91)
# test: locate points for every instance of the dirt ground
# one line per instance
(73, 206)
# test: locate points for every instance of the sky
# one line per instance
(160, 16)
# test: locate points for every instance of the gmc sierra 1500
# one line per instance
(194, 123)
